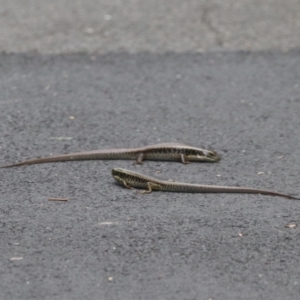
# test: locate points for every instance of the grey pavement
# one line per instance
(84, 75)
(100, 26)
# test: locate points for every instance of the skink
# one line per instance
(130, 179)
(165, 151)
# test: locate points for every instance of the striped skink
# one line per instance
(130, 179)
(165, 151)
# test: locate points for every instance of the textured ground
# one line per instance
(108, 242)
(82, 75)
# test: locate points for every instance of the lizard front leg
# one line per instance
(183, 159)
(122, 181)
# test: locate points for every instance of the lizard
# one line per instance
(130, 179)
(164, 151)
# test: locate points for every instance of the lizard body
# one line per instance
(131, 179)
(165, 151)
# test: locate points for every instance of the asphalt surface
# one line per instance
(108, 242)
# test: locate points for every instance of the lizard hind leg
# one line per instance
(139, 160)
(150, 187)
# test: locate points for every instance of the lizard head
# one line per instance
(118, 173)
(198, 154)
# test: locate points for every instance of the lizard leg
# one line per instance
(183, 159)
(139, 159)
(119, 179)
(150, 187)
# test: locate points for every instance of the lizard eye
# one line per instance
(213, 155)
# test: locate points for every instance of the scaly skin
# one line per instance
(131, 179)
(165, 151)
